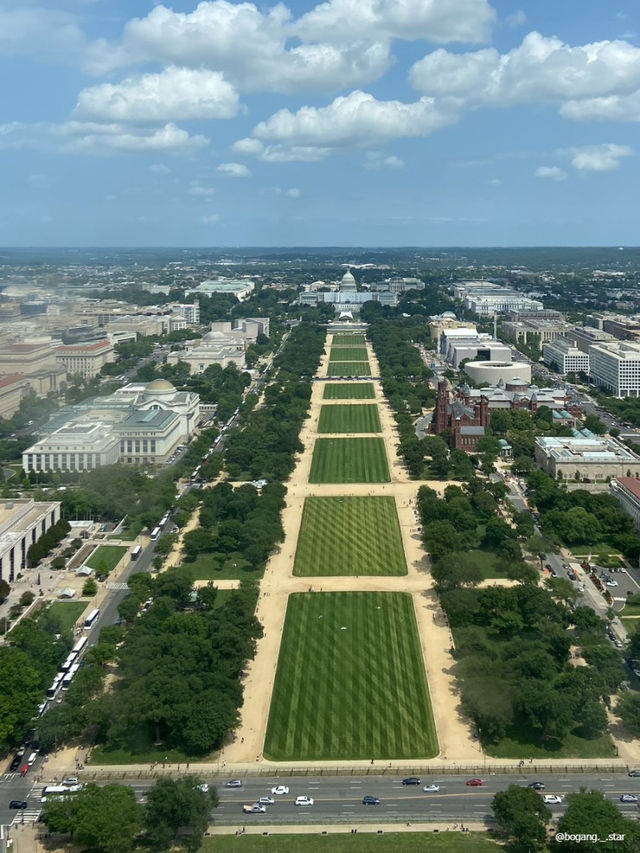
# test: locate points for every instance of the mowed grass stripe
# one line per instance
(349, 391)
(350, 682)
(349, 460)
(346, 418)
(348, 368)
(348, 354)
(349, 536)
(348, 340)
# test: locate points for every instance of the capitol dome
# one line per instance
(348, 282)
(160, 386)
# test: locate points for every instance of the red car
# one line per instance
(474, 783)
(24, 769)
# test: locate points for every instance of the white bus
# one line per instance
(53, 691)
(135, 552)
(68, 678)
(154, 534)
(91, 618)
(79, 646)
(66, 666)
(58, 791)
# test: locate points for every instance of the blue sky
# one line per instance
(348, 122)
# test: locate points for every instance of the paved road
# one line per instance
(339, 799)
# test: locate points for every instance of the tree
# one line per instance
(590, 814)
(89, 588)
(5, 589)
(178, 809)
(593, 423)
(458, 569)
(628, 708)
(522, 816)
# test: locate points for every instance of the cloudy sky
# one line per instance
(346, 122)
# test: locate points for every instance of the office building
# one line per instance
(13, 387)
(22, 522)
(240, 288)
(586, 457)
(494, 372)
(626, 490)
(75, 446)
(458, 345)
(616, 368)
(563, 355)
(486, 298)
(539, 326)
(36, 361)
(85, 359)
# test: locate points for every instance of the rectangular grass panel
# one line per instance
(349, 391)
(345, 418)
(350, 682)
(349, 536)
(349, 460)
(347, 340)
(348, 354)
(348, 368)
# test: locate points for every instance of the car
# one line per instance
(303, 800)
(204, 788)
(431, 789)
(628, 798)
(633, 773)
(18, 804)
(411, 780)
(537, 786)
(370, 801)
(552, 799)
(474, 783)
(15, 763)
(611, 583)
(256, 808)
(24, 769)
(70, 781)
(280, 789)
(266, 801)
(617, 644)
(233, 783)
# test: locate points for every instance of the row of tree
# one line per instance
(47, 542)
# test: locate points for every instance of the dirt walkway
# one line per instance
(455, 738)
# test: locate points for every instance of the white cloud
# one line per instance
(249, 45)
(516, 19)
(210, 219)
(198, 190)
(598, 158)
(159, 169)
(353, 121)
(174, 93)
(76, 137)
(495, 182)
(438, 21)
(45, 34)
(555, 173)
(377, 160)
(540, 69)
(233, 170)
(611, 108)
(248, 146)
(293, 192)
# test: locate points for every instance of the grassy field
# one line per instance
(142, 752)
(631, 625)
(106, 557)
(488, 562)
(349, 460)
(346, 418)
(68, 612)
(350, 682)
(348, 354)
(349, 391)
(206, 568)
(348, 340)
(527, 743)
(349, 536)
(363, 842)
(349, 368)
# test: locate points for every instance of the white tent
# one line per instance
(67, 592)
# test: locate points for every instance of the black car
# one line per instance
(18, 804)
(411, 780)
(537, 786)
(15, 763)
(634, 772)
(370, 801)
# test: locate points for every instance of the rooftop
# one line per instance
(630, 484)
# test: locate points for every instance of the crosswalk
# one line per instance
(31, 814)
(117, 586)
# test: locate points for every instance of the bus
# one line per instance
(79, 646)
(91, 618)
(66, 666)
(58, 791)
(135, 552)
(68, 678)
(154, 534)
(53, 691)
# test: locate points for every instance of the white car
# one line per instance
(611, 583)
(552, 799)
(256, 808)
(266, 801)
(280, 789)
(304, 801)
(431, 789)
(204, 788)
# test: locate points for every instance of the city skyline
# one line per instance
(370, 123)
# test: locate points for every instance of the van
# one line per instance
(32, 759)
